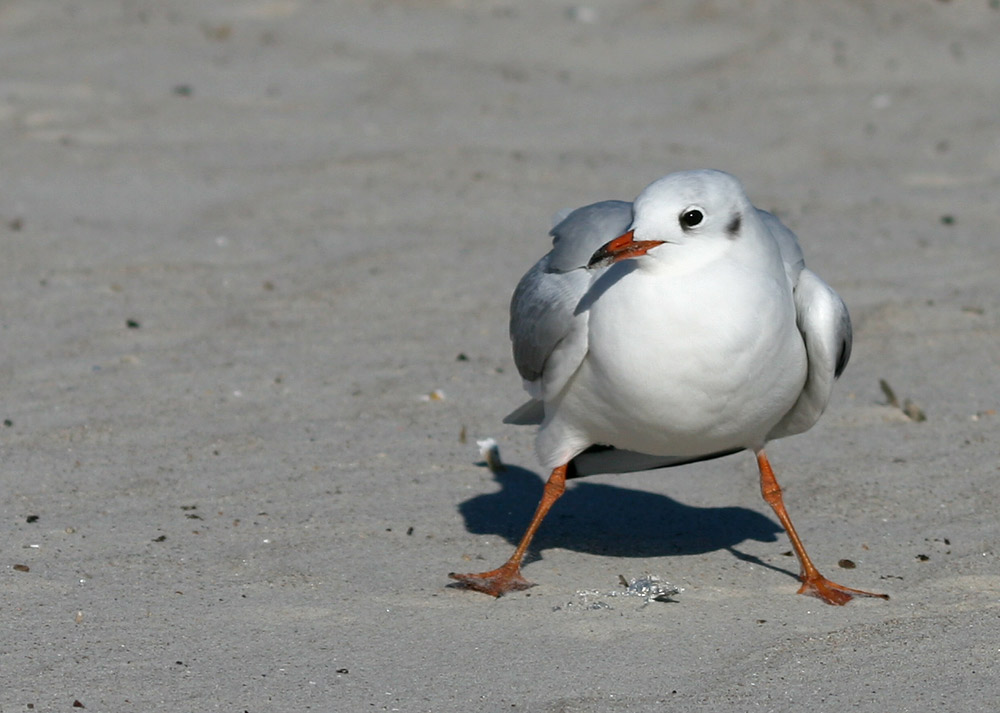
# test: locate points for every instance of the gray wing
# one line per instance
(788, 244)
(545, 300)
(825, 326)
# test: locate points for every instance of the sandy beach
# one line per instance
(256, 263)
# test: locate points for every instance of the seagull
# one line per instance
(679, 328)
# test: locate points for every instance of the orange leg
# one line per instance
(813, 583)
(507, 577)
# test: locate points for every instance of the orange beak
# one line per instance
(621, 248)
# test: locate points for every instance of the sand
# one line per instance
(244, 241)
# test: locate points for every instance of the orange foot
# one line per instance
(496, 582)
(831, 592)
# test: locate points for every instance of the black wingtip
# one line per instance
(842, 357)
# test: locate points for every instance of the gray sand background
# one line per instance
(241, 240)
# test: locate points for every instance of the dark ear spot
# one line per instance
(734, 225)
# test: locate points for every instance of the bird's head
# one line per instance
(704, 207)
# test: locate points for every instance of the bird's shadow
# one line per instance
(617, 522)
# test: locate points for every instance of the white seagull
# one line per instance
(679, 328)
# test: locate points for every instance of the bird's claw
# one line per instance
(496, 582)
(831, 592)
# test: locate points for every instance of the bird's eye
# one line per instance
(691, 217)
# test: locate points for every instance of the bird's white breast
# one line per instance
(687, 362)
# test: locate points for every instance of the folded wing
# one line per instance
(549, 338)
